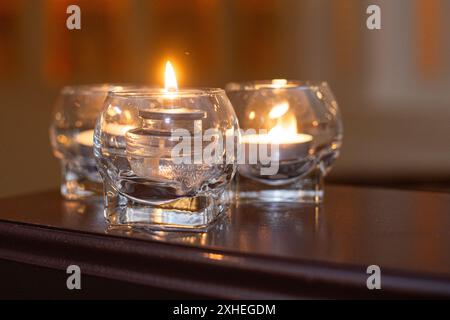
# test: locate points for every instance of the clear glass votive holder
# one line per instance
(291, 135)
(172, 167)
(71, 135)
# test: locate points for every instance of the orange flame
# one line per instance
(170, 80)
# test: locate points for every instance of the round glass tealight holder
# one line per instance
(71, 135)
(292, 133)
(172, 169)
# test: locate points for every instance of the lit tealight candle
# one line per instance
(291, 144)
(149, 147)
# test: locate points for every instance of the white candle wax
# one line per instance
(86, 138)
(290, 146)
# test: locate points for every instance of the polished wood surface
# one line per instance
(406, 233)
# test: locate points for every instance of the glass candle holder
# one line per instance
(172, 167)
(71, 135)
(293, 130)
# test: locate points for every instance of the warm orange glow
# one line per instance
(170, 80)
(214, 256)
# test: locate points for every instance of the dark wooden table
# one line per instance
(259, 250)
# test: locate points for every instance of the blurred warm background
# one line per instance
(393, 84)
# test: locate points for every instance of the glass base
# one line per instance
(196, 213)
(80, 182)
(308, 190)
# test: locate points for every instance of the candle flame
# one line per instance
(170, 80)
(283, 130)
(279, 110)
(286, 123)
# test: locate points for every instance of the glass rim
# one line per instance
(94, 88)
(273, 84)
(155, 92)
